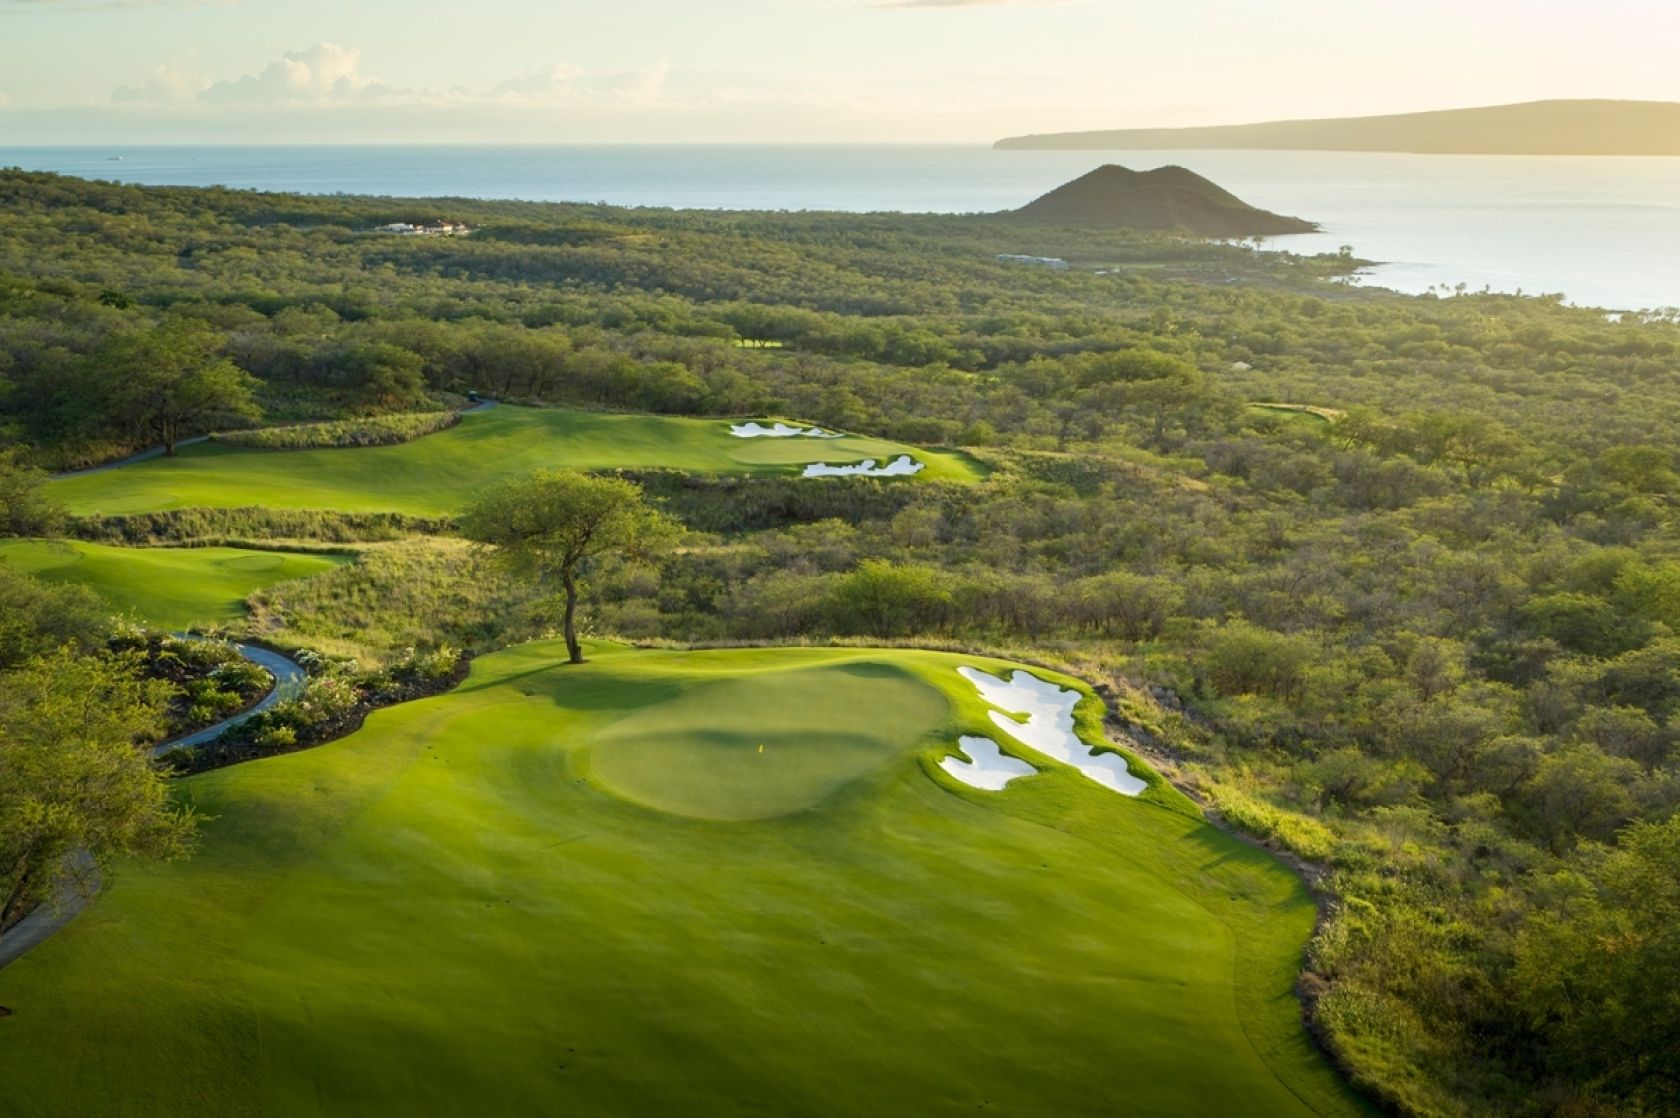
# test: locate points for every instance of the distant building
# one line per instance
(1053, 262)
(435, 229)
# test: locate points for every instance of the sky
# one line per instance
(646, 71)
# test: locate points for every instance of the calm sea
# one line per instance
(1602, 231)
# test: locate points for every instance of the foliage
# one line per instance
(232, 525)
(1587, 965)
(37, 618)
(170, 382)
(73, 785)
(550, 526)
(208, 679)
(25, 507)
(406, 599)
(373, 430)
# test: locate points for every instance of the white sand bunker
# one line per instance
(902, 466)
(990, 769)
(756, 430)
(1048, 727)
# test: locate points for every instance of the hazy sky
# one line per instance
(136, 71)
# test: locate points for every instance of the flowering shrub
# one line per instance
(425, 667)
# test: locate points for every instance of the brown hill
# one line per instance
(1165, 198)
(1533, 128)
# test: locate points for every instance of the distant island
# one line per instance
(1165, 198)
(1534, 128)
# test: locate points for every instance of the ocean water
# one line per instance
(1602, 232)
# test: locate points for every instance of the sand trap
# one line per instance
(756, 430)
(902, 466)
(1049, 725)
(990, 769)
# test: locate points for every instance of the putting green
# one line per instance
(764, 745)
(438, 474)
(169, 587)
(474, 906)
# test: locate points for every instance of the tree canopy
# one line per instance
(551, 524)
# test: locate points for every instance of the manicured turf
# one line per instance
(438, 474)
(522, 898)
(173, 587)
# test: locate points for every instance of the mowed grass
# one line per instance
(438, 474)
(171, 588)
(584, 890)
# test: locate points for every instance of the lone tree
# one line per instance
(550, 525)
(173, 380)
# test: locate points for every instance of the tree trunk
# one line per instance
(573, 649)
(16, 897)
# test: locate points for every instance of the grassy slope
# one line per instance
(173, 588)
(437, 474)
(451, 912)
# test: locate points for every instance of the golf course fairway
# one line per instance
(722, 882)
(168, 587)
(436, 475)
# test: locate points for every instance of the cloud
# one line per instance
(323, 73)
(328, 74)
(563, 85)
(169, 84)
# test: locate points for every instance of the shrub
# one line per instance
(373, 430)
(1298, 833)
(276, 739)
(241, 676)
(425, 667)
(254, 523)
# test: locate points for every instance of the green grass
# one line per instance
(583, 890)
(438, 474)
(171, 588)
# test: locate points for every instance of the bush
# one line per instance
(425, 667)
(373, 430)
(880, 599)
(1300, 834)
(255, 523)
(276, 739)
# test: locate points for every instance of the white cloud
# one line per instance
(325, 72)
(541, 84)
(169, 84)
(560, 85)
(329, 74)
